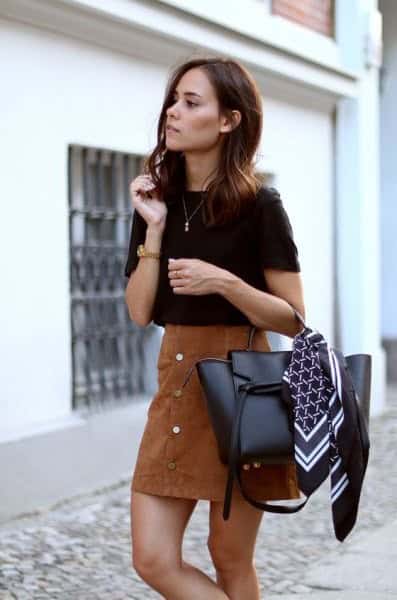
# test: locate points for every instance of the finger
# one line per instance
(177, 263)
(144, 192)
(180, 288)
(172, 268)
(178, 274)
(146, 185)
(138, 181)
(140, 194)
(142, 183)
(177, 278)
(175, 274)
(178, 283)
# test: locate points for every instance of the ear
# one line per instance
(230, 123)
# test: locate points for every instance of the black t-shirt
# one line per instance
(260, 239)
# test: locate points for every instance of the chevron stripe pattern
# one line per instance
(313, 385)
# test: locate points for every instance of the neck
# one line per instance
(199, 167)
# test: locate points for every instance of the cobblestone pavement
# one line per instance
(81, 548)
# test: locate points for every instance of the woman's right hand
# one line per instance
(146, 202)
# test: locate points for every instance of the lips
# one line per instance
(170, 128)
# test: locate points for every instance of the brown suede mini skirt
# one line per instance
(178, 453)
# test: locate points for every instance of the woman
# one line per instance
(218, 256)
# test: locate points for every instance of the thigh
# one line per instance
(233, 541)
(157, 526)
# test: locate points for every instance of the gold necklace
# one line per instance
(193, 213)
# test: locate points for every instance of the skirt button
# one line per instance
(179, 356)
(171, 465)
(176, 429)
(177, 393)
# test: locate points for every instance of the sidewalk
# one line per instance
(80, 549)
(367, 571)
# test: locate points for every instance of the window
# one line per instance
(109, 352)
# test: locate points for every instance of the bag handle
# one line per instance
(253, 328)
(234, 472)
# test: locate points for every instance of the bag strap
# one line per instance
(234, 466)
(253, 328)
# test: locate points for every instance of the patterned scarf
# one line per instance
(316, 384)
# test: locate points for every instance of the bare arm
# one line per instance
(141, 289)
(269, 311)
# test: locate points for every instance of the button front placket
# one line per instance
(175, 438)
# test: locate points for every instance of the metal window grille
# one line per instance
(109, 351)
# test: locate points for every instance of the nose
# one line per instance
(171, 110)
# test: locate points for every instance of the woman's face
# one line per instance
(194, 114)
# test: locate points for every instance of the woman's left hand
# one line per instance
(194, 276)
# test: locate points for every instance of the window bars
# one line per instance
(109, 357)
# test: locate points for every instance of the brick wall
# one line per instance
(314, 14)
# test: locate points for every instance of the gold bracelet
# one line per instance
(143, 253)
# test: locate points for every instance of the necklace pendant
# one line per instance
(186, 226)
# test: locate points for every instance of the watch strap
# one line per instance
(143, 253)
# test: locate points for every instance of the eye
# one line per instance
(188, 102)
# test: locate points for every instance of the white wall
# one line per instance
(59, 91)
(298, 144)
(388, 148)
(358, 199)
(55, 91)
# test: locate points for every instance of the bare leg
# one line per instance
(232, 545)
(158, 524)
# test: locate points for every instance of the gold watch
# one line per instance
(142, 252)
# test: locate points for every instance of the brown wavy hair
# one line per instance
(235, 185)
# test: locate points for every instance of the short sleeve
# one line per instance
(277, 247)
(138, 234)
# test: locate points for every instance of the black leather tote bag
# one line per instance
(251, 420)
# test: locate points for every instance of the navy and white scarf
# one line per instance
(317, 384)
